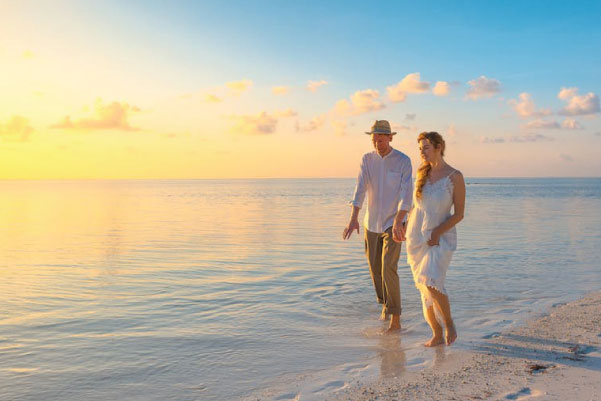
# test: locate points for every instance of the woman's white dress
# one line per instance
(429, 264)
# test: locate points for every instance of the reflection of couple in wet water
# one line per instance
(423, 218)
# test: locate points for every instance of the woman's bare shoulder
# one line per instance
(455, 175)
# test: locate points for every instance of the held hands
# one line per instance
(398, 230)
(352, 225)
(434, 238)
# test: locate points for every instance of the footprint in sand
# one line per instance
(331, 386)
(353, 369)
(288, 397)
(523, 394)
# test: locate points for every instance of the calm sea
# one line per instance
(225, 289)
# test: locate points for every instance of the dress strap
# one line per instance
(452, 172)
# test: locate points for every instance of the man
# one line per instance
(385, 176)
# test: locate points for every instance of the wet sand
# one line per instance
(555, 357)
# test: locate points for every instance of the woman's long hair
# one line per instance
(422, 172)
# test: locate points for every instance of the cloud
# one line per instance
(339, 127)
(17, 129)
(483, 87)
(410, 84)
(210, 98)
(492, 140)
(578, 105)
(441, 88)
(542, 124)
(400, 127)
(525, 107)
(285, 113)
(314, 85)
(313, 125)
(452, 131)
(410, 117)
(112, 116)
(531, 138)
(257, 124)
(566, 158)
(569, 123)
(238, 87)
(280, 90)
(360, 102)
(567, 93)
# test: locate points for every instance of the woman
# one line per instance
(431, 235)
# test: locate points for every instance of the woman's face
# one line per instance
(427, 151)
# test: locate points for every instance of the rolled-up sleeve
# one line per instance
(359, 195)
(406, 195)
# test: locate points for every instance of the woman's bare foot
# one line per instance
(435, 340)
(383, 315)
(451, 334)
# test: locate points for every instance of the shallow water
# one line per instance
(214, 290)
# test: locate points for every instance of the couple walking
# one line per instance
(423, 218)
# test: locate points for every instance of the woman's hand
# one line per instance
(434, 238)
(398, 231)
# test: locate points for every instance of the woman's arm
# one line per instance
(458, 206)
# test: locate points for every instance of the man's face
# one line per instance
(381, 142)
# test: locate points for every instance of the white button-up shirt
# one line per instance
(387, 182)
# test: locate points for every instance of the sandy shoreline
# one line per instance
(555, 357)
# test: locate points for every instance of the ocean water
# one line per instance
(233, 289)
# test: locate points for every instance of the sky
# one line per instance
(283, 89)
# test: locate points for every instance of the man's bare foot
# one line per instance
(384, 315)
(395, 324)
(434, 341)
(451, 334)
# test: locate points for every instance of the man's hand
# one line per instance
(352, 225)
(398, 231)
(434, 238)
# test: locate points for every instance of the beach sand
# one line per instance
(555, 357)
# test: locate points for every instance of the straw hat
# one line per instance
(381, 127)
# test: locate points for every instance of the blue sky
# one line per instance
(152, 53)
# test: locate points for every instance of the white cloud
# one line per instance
(410, 84)
(314, 85)
(532, 138)
(525, 107)
(441, 88)
(360, 102)
(566, 158)
(542, 124)
(257, 124)
(238, 87)
(285, 113)
(567, 93)
(492, 140)
(339, 127)
(313, 125)
(210, 98)
(280, 90)
(569, 123)
(578, 105)
(452, 131)
(112, 116)
(17, 129)
(401, 127)
(483, 87)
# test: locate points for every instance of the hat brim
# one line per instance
(385, 132)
